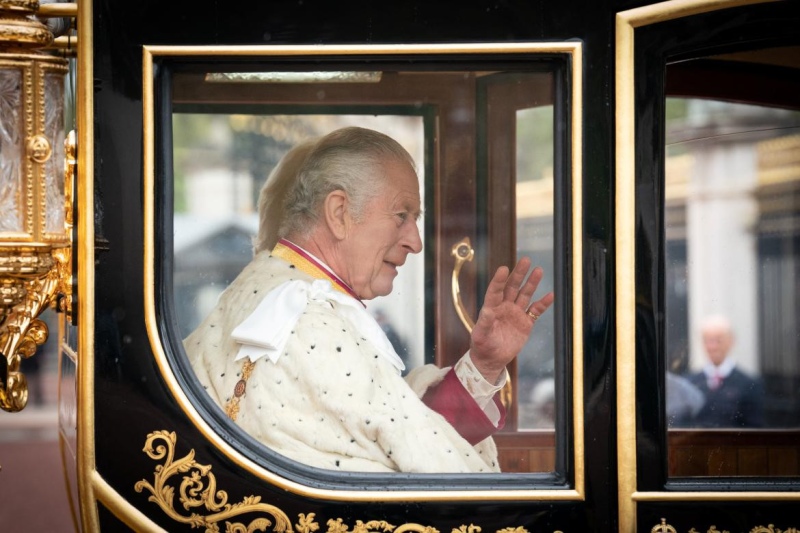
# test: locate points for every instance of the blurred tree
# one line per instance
(192, 141)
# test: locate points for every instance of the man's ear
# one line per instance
(337, 216)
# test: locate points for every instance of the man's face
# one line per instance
(717, 341)
(377, 245)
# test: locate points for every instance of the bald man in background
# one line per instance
(733, 399)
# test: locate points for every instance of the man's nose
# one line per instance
(412, 240)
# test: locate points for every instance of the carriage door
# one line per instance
(495, 130)
(708, 183)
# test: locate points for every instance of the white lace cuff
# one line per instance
(481, 390)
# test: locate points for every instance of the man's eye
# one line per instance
(402, 216)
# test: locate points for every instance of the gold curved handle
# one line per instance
(464, 253)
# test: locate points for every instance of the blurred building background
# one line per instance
(732, 231)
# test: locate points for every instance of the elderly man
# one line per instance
(291, 354)
(732, 398)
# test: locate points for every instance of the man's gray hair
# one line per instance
(348, 159)
(272, 198)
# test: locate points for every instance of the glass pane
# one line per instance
(534, 191)
(54, 167)
(732, 290)
(10, 151)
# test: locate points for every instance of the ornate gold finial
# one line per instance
(35, 209)
(22, 332)
(19, 28)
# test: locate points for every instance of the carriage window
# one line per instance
(484, 146)
(733, 304)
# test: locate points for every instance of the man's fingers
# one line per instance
(482, 327)
(527, 290)
(513, 287)
(494, 293)
(542, 304)
(516, 278)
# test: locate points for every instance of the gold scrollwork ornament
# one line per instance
(372, 526)
(663, 527)
(198, 487)
(21, 333)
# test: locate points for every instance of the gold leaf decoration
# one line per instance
(664, 527)
(772, 529)
(416, 528)
(306, 524)
(337, 526)
(372, 525)
(198, 488)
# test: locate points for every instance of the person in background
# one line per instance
(293, 357)
(543, 403)
(733, 399)
(684, 401)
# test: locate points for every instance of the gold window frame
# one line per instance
(573, 51)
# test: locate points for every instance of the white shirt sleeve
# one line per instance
(481, 390)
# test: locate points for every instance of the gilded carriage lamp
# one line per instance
(35, 192)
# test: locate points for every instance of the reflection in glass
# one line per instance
(732, 290)
(534, 229)
(517, 124)
(54, 173)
